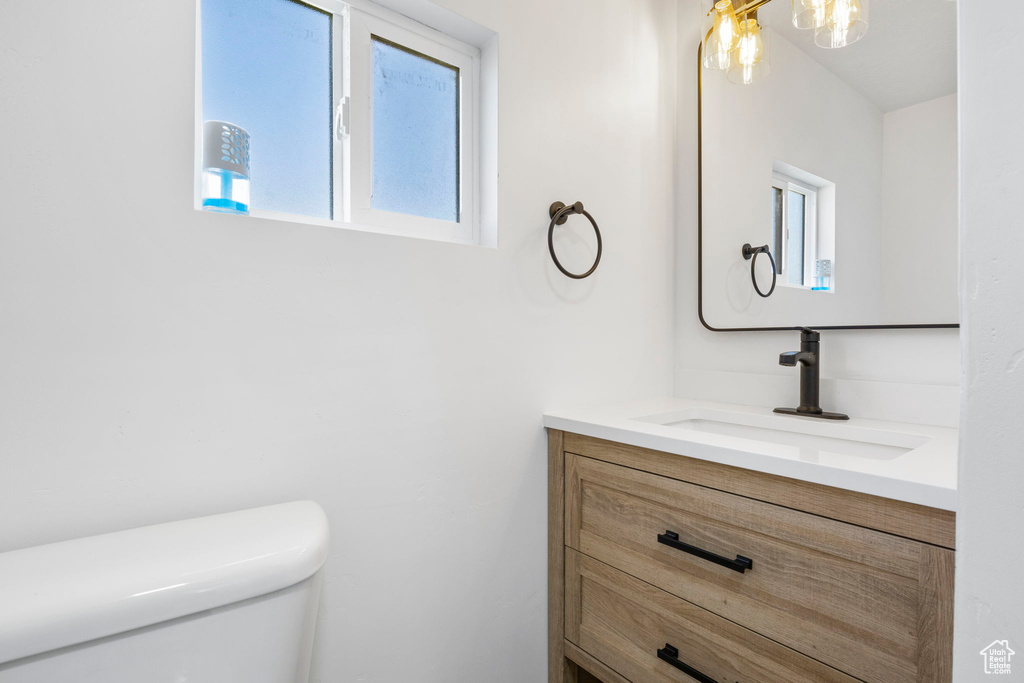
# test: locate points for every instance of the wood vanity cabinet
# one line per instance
(668, 569)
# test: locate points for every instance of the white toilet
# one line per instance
(219, 599)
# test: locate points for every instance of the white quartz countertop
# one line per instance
(901, 461)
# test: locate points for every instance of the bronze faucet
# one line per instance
(809, 358)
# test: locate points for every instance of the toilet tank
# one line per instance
(231, 597)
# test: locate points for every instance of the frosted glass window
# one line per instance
(795, 241)
(778, 226)
(415, 133)
(267, 69)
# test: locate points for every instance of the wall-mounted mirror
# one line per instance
(842, 162)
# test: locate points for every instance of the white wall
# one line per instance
(890, 374)
(920, 212)
(835, 135)
(161, 363)
(990, 522)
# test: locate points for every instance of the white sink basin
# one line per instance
(909, 462)
(810, 438)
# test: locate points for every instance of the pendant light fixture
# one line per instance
(750, 59)
(846, 22)
(736, 43)
(724, 37)
(809, 13)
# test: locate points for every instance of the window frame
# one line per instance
(363, 26)
(787, 184)
(353, 23)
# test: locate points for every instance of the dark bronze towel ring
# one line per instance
(560, 213)
(750, 254)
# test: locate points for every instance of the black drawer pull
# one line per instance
(671, 655)
(740, 564)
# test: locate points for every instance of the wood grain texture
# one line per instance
(624, 621)
(590, 668)
(852, 597)
(572, 594)
(935, 658)
(918, 522)
(570, 671)
(560, 670)
(571, 500)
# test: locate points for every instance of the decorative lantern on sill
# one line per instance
(822, 275)
(225, 167)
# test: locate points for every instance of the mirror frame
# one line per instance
(700, 229)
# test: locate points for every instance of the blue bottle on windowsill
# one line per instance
(822, 275)
(225, 181)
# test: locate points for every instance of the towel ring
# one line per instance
(750, 254)
(560, 213)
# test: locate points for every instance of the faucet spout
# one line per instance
(791, 358)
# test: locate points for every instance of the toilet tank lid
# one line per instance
(57, 595)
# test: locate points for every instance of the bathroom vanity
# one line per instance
(699, 541)
(693, 541)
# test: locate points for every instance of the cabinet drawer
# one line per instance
(625, 622)
(871, 604)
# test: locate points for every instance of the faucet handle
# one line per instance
(807, 334)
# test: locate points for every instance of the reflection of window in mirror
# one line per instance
(803, 228)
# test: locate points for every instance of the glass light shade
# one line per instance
(750, 59)
(723, 38)
(846, 22)
(809, 13)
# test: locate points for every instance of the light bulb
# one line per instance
(809, 13)
(726, 25)
(845, 23)
(844, 13)
(723, 38)
(749, 50)
(749, 59)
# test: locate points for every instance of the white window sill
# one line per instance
(437, 236)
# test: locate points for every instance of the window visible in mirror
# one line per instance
(778, 223)
(796, 235)
(794, 229)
